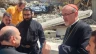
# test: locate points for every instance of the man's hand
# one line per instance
(46, 49)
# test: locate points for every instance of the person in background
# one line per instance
(16, 12)
(91, 47)
(77, 34)
(6, 20)
(31, 31)
(9, 39)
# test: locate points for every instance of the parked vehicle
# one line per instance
(39, 8)
(36, 9)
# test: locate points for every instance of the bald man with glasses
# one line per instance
(77, 34)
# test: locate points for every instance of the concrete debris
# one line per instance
(90, 21)
(57, 20)
(46, 17)
(2, 10)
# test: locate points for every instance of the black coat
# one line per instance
(30, 32)
(9, 50)
(76, 40)
(2, 25)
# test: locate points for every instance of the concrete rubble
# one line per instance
(2, 10)
(57, 20)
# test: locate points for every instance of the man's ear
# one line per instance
(76, 14)
(12, 39)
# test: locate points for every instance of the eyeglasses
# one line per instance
(67, 14)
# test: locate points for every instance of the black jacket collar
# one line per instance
(6, 46)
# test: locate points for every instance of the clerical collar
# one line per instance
(74, 22)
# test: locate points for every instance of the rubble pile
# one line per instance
(54, 40)
(3, 4)
(46, 17)
(90, 21)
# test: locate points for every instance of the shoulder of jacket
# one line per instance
(35, 21)
(83, 25)
(19, 24)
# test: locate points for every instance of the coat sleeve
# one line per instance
(84, 39)
(41, 35)
(65, 49)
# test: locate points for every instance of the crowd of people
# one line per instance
(28, 30)
(19, 33)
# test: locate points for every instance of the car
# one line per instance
(39, 8)
(36, 9)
